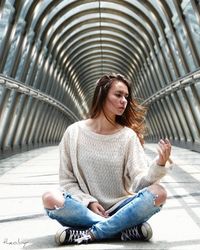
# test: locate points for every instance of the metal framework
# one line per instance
(52, 53)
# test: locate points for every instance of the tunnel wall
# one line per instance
(53, 52)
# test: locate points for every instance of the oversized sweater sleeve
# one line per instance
(68, 180)
(139, 173)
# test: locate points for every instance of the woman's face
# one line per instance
(116, 100)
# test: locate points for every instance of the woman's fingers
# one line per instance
(167, 141)
(98, 209)
(164, 151)
(102, 211)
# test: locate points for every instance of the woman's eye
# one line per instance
(121, 96)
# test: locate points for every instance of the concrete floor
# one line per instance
(24, 225)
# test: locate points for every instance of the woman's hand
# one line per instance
(97, 209)
(164, 152)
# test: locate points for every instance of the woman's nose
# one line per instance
(123, 99)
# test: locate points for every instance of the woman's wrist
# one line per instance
(161, 164)
(92, 202)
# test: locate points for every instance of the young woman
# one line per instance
(108, 189)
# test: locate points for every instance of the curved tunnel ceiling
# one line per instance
(61, 47)
(86, 32)
(89, 38)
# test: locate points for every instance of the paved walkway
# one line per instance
(24, 225)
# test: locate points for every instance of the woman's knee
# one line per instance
(52, 200)
(160, 192)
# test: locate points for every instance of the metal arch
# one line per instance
(107, 43)
(109, 68)
(2, 4)
(98, 56)
(118, 37)
(167, 21)
(31, 48)
(28, 23)
(91, 67)
(95, 58)
(85, 57)
(92, 64)
(62, 59)
(159, 24)
(61, 12)
(92, 80)
(7, 117)
(195, 57)
(132, 6)
(94, 68)
(139, 62)
(93, 77)
(89, 79)
(107, 65)
(35, 38)
(154, 38)
(108, 59)
(167, 13)
(79, 36)
(113, 39)
(127, 57)
(27, 18)
(105, 28)
(36, 94)
(95, 10)
(18, 5)
(118, 70)
(87, 52)
(174, 86)
(196, 8)
(75, 27)
(9, 36)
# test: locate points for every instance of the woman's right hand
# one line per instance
(97, 209)
(164, 152)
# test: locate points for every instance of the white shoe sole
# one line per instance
(147, 231)
(60, 236)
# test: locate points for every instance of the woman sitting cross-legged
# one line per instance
(108, 188)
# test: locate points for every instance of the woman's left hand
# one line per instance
(97, 209)
(164, 151)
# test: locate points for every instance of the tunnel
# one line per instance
(53, 52)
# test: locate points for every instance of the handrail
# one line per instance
(174, 86)
(37, 94)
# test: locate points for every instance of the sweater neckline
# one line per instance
(82, 125)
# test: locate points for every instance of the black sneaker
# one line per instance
(140, 232)
(67, 235)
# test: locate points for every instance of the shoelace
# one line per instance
(132, 232)
(84, 239)
(74, 235)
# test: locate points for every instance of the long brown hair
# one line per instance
(133, 116)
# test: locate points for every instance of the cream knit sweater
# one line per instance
(104, 168)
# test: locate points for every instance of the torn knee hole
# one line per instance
(158, 201)
(58, 207)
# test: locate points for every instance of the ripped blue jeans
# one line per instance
(133, 211)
